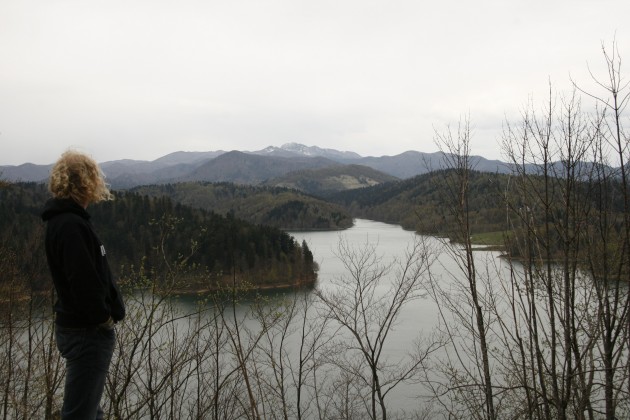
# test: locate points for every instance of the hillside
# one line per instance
(130, 179)
(135, 229)
(278, 207)
(421, 203)
(326, 181)
(425, 204)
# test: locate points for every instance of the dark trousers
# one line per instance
(88, 353)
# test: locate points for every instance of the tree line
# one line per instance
(133, 225)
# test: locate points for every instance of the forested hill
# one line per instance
(428, 204)
(421, 203)
(273, 206)
(139, 230)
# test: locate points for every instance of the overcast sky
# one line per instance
(143, 78)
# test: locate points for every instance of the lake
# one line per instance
(392, 242)
(420, 316)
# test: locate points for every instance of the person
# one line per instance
(88, 300)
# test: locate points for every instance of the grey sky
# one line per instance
(142, 78)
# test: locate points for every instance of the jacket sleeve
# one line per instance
(82, 264)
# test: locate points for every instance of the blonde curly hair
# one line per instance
(78, 176)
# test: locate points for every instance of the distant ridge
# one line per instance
(411, 163)
(180, 157)
(251, 167)
(26, 172)
(245, 168)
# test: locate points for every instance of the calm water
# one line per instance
(420, 316)
(391, 242)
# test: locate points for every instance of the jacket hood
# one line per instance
(56, 206)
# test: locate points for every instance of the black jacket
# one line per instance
(87, 295)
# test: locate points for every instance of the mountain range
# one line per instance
(258, 167)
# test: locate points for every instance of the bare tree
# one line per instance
(470, 296)
(30, 366)
(609, 241)
(569, 228)
(366, 305)
(548, 210)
